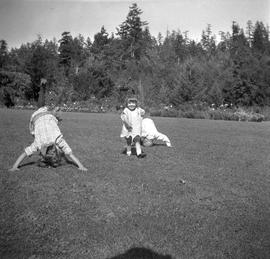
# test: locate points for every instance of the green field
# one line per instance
(222, 211)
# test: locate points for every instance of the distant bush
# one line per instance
(186, 111)
(235, 115)
(155, 113)
(169, 113)
(193, 114)
(202, 111)
(222, 115)
(248, 116)
(265, 111)
(13, 87)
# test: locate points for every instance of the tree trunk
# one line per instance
(42, 92)
(140, 90)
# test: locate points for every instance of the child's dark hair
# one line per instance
(132, 98)
(50, 156)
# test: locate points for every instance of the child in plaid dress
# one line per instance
(44, 127)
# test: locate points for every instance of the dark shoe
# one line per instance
(142, 155)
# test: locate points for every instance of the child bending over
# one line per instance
(44, 127)
(150, 134)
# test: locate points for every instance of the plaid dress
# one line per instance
(44, 126)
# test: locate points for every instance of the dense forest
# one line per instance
(170, 70)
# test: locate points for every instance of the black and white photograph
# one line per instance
(134, 129)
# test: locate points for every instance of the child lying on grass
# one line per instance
(150, 134)
(47, 136)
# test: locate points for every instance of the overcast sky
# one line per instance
(22, 20)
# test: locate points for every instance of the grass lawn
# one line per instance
(222, 211)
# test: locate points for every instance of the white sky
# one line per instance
(22, 20)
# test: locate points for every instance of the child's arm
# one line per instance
(57, 113)
(129, 128)
(31, 128)
(125, 121)
(15, 167)
(142, 112)
(77, 162)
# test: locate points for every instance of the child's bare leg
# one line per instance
(15, 167)
(139, 152)
(137, 140)
(77, 162)
(138, 148)
(129, 150)
(129, 141)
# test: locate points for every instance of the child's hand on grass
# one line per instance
(82, 168)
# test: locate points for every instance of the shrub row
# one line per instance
(213, 114)
(186, 111)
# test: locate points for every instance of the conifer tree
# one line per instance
(3, 53)
(131, 32)
(260, 40)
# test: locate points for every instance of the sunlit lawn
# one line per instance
(222, 211)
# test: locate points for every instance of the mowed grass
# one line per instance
(222, 211)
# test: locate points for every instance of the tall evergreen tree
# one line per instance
(65, 51)
(131, 32)
(208, 40)
(41, 65)
(260, 41)
(3, 53)
(101, 40)
(249, 32)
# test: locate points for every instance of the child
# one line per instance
(44, 127)
(132, 126)
(150, 134)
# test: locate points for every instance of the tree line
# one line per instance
(171, 69)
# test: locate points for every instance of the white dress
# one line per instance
(134, 120)
(150, 132)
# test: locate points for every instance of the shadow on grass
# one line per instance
(133, 149)
(140, 253)
(27, 164)
(63, 162)
(159, 144)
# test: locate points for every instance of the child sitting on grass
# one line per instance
(132, 126)
(44, 127)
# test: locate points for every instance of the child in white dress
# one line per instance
(150, 134)
(132, 126)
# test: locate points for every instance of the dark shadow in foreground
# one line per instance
(140, 253)
(159, 144)
(27, 164)
(133, 149)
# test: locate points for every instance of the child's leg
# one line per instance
(129, 141)
(65, 148)
(137, 141)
